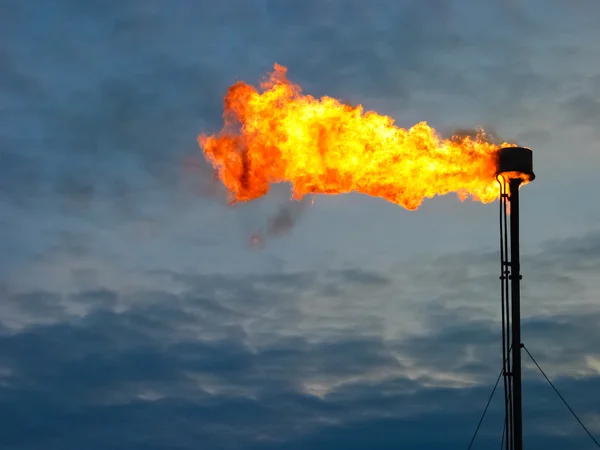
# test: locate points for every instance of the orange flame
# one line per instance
(324, 146)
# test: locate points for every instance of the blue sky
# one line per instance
(133, 312)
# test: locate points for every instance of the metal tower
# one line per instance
(515, 166)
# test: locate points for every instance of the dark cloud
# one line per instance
(102, 378)
(43, 303)
(101, 105)
(187, 365)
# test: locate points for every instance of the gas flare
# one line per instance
(322, 146)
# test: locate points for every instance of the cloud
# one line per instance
(107, 373)
(102, 126)
(126, 101)
(286, 361)
(100, 345)
(583, 109)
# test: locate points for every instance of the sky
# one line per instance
(134, 313)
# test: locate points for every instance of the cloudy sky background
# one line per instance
(135, 315)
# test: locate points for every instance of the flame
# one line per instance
(277, 134)
(507, 176)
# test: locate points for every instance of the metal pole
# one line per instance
(515, 277)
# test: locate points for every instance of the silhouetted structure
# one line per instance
(515, 165)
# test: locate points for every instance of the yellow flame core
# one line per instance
(324, 146)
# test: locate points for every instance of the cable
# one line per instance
(503, 431)
(562, 398)
(485, 410)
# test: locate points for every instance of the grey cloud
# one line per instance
(363, 277)
(128, 121)
(457, 346)
(559, 310)
(195, 354)
(376, 51)
(43, 303)
(149, 116)
(92, 384)
(105, 360)
(108, 108)
(553, 268)
(583, 109)
(12, 78)
(78, 190)
(100, 298)
(20, 175)
(566, 338)
(595, 84)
